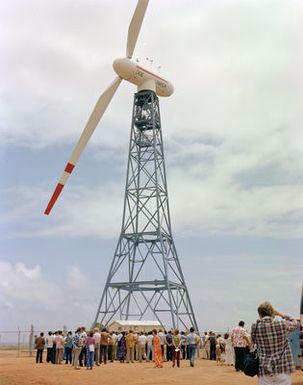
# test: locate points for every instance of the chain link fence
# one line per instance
(21, 341)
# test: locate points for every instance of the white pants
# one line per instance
(276, 379)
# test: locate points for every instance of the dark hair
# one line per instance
(155, 331)
(226, 335)
(241, 323)
(192, 329)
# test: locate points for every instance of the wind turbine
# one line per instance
(126, 70)
(145, 255)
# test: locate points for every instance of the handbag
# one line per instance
(91, 348)
(251, 362)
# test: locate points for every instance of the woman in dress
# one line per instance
(122, 348)
(157, 350)
(229, 350)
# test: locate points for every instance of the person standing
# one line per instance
(141, 346)
(59, 347)
(83, 348)
(49, 346)
(77, 347)
(68, 347)
(104, 341)
(229, 350)
(97, 337)
(150, 353)
(183, 345)
(240, 342)
(130, 346)
(90, 350)
(162, 340)
(270, 334)
(212, 346)
(169, 346)
(204, 339)
(40, 343)
(157, 350)
(220, 350)
(198, 346)
(121, 353)
(176, 348)
(192, 343)
(111, 347)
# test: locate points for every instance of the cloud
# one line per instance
(232, 129)
(212, 191)
(76, 279)
(24, 284)
(246, 281)
(46, 301)
(238, 76)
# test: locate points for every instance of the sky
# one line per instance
(233, 146)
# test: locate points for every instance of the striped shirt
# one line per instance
(272, 343)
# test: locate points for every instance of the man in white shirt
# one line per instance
(97, 337)
(162, 340)
(141, 342)
(149, 339)
(50, 339)
(59, 347)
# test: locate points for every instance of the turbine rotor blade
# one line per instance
(91, 124)
(135, 26)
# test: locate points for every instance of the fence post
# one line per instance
(31, 341)
(18, 354)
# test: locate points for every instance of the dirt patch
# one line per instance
(24, 371)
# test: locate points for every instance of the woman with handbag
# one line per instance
(270, 334)
(176, 348)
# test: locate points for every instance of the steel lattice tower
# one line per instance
(145, 280)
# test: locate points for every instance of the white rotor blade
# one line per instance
(92, 123)
(135, 26)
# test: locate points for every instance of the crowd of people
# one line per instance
(94, 347)
(86, 348)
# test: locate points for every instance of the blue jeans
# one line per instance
(68, 355)
(89, 358)
(191, 354)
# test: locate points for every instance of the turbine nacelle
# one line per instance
(142, 77)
